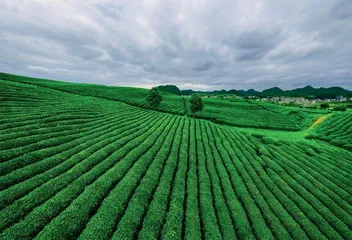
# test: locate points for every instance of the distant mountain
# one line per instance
(275, 91)
(233, 91)
(170, 89)
(250, 92)
(175, 90)
(188, 92)
(306, 92)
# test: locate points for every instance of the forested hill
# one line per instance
(307, 92)
(175, 90)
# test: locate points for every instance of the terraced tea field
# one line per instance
(77, 166)
(249, 114)
(336, 129)
(133, 96)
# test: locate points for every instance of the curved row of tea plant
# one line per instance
(133, 96)
(236, 112)
(337, 130)
(82, 167)
(253, 115)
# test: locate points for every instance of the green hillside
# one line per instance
(275, 91)
(337, 130)
(134, 96)
(93, 162)
(224, 111)
(307, 92)
(254, 114)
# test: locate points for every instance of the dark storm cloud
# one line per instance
(193, 44)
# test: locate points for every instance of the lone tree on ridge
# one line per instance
(154, 98)
(324, 105)
(196, 103)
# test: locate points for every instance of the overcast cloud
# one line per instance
(194, 44)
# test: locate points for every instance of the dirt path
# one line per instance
(318, 121)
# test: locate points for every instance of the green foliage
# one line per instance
(172, 228)
(229, 111)
(170, 89)
(154, 98)
(340, 108)
(255, 114)
(308, 92)
(171, 103)
(83, 167)
(324, 105)
(196, 103)
(336, 130)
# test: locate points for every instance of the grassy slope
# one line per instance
(76, 166)
(240, 113)
(335, 129)
(134, 96)
(254, 114)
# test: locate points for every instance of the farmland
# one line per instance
(337, 130)
(94, 162)
(248, 114)
(252, 114)
(132, 96)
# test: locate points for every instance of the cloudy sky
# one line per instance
(198, 44)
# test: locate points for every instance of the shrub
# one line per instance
(340, 108)
(196, 103)
(268, 140)
(324, 105)
(154, 98)
(257, 135)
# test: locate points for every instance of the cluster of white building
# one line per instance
(300, 100)
(304, 100)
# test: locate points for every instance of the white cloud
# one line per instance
(194, 44)
(38, 68)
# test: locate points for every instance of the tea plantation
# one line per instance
(249, 114)
(337, 130)
(93, 162)
(252, 114)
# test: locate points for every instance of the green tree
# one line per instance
(154, 98)
(340, 108)
(196, 103)
(324, 105)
